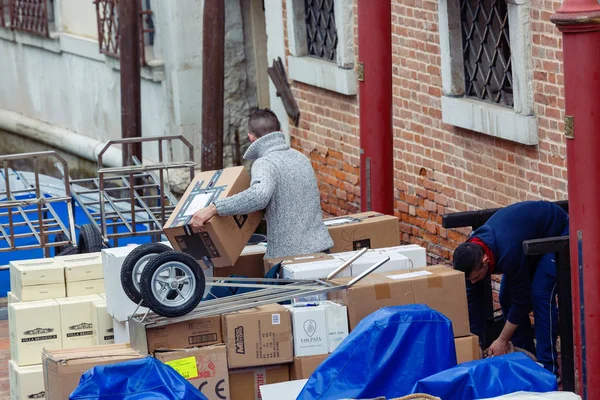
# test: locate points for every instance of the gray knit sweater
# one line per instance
(284, 185)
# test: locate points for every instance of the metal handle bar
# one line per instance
(367, 272)
(347, 263)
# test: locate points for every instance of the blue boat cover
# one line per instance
(146, 378)
(387, 353)
(490, 377)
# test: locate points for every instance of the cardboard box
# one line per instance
(370, 229)
(26, 382)
(441, 288)
(76, 321)
(250, 263)
(415, 253)
(102, 324)
(33, 326)
(39, 279)
(309, 327)
(82, 267)
(303, 367)
(245, 383)
(118, 304)
(203, 367)
(337, 324)
(163, 333)
(62, 369)
(85, 288)
(258, 336)
(11, 298)
(467, 348)
(225, 237)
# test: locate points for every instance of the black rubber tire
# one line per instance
(147, 282)
(67, 251)
(58, 250)
(90, 240)
(129, 266)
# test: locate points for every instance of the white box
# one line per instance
(414, 252)
(103, 331)
(11, 298)
(26, 382)
(85, 288)
(33, 326)
(397, 262)
(76, 321)
(118, 304)
(121, 331)
(38, 279)
(309, 329)
(313, 270)
(337, 323)
(82, 267)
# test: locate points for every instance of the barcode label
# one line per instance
(199, 339)
(275, 319)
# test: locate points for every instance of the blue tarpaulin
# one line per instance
(489, 377)
(387, 353)
(146, 378)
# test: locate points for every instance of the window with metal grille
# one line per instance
(108, 27)
(33, 16)
(486, 51)
(320, 29)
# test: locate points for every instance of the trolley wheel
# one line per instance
(59, 250)
(172, 284)
(66, 251)
(133, 265)
(90, 240)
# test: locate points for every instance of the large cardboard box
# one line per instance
(303, 367)
(370, 229)
(118, 304)
(203, 367)
(245, 383)
(33, 326)
(250, 263)
(161, 333)
(76, 321)
(26, 382)
(225, 237)
(40, 279)
(63, 368)
(102, 324)
(258, 336)
(82, 267)
(467, 348)
(441, 288)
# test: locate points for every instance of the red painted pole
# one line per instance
(579, 21)
(375, 96)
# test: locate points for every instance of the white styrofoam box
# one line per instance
(309, 329)
(121, 331)
(397, 262)
(118, 304)
(337, 323)
(313, 270)
(414, 252)
(26, 382)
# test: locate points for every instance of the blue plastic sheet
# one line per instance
(146, 378)
(387, 353)
(489, 377)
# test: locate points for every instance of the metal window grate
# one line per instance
(108, 27)
(486, 51)
(320, 29)
(29, 16)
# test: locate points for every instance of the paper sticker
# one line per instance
(275, 319)
(410, 275)
(185, 366)
(200, 201)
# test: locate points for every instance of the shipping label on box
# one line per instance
(245, 383)
(370, 229)
(26, 382)
(102, 323)
(82, 267)
(33, 326)
(76, 321)
(441, 288)
(225, 237)
(309, 327)
(259, 336)
(303, 367)
(85, 288)
(337, 323)
(204, 367)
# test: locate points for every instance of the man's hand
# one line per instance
(498, 348)
(201, 216)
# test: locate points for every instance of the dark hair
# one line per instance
(467, 258)
(262, 122)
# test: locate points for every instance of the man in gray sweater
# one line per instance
(283, 184)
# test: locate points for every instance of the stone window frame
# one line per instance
(339, 77)
(518, 124)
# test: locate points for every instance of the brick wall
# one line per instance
(438, 168)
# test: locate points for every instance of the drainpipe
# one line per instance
(375, 96)
(579, 21)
